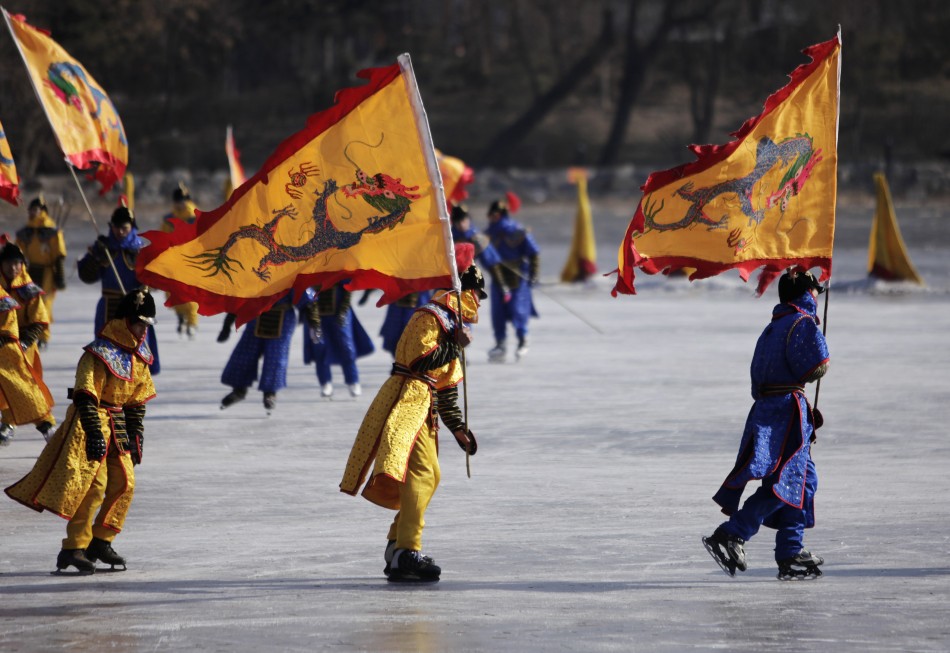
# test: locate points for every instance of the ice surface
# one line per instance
(580, 527)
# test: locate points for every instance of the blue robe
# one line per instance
(123, 254)
(775, 442)
(515, 247)
(241, 369)
(340, 344)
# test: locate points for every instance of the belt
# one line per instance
(769, 389)
(402, 370)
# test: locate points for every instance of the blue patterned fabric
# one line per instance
(118, 360)
(775, 442)
(28, 291)
(515, 246)
(241, 369)
(8, 303)
(340, 344)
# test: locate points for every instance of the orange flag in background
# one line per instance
(455, 177)
(235, 168)
(582, 257)
(765, 200)
(887, 255)
(83, 118)
(9, 180)
(355, 195)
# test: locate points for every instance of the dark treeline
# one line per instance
(505, 82)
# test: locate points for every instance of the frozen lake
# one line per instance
(580, 526)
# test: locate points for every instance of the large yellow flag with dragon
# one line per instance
(765, 200)
(356, 195)
(83, 118)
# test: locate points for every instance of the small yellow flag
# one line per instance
(887, 255)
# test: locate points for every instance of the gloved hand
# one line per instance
(95, 446)
(226, 327)
(136, 442)
(465, 337)
(466, 441)
(99, 250)
(817, 418)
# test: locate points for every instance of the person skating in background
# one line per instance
(183, 209)
(398, 439)
(511, 299)
(44, 247)
(776, 442)
(24, 397)
(123, 245)
(85, 472)
(334, 336)
(265, 337)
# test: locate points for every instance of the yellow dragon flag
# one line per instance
(582, 257)
(9, 180)
(765, 200)
(355, 195)
(887, 254)
(83, 118)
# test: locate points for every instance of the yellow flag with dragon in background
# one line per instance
(765, 200)
(356, 195)
(84, 120)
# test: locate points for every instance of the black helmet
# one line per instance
(137, 305)
(121, 216)
(498, 206)
(181, 193)
(38, 203)
(11, 252)
(795, 283)
(459, 213)
(472, 279)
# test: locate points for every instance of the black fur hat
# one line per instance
(137, 305)
(181, 193)
(122, 215)
(459, 213)
(11, 252)
(472, 279)
(38, 202)
(795, 283)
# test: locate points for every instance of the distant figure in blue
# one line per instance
(397, 317)
(776, 443)
(464, 232)
(334, 337)
(512, 279)
(267, 336)
(123, 244)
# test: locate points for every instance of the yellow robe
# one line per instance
(43, 253)
(401, 413)
(62, 474)
(187, 312)
(24, 397)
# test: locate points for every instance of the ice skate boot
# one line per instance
(497, 353)
(412, 567)
(191, 331)
(326, 390)
(355, 389)
(522, 349)
(74, 558)
(236, 395)
(727, 550)
(6, 433)
(99, 549)
(388, 555)
(46, 430)
(270, 401)
(181, 325)
(802, 566)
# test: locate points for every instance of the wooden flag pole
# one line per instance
(458, 340)
(95, 225)
(824, 330)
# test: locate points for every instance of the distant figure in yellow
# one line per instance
(85, 472)
(45, 250)
(24, 398)
(183, 209)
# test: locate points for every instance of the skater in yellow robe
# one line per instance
(183, 209)
(45, 250)
(24, 397)
(398, 438)
(87, 465)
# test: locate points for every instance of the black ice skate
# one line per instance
(802, 567)
(413, 567)
(270, 401)
(388, 555)
(727, 550)
(236, 395)
(73, 558)
(101, 550)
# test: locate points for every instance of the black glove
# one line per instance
(226, 327)
(99, 250)
(472, 443)
(30, 335)
(817, 421)
(59, 273)
(136, 442)
(95, 446)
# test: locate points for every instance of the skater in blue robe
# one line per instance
(512, 279)
(334, 337)
(266, 337)
(123, 243)
(776, 442)
(397, 317)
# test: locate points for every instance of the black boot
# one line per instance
(270, 401)
(413, 567)
(45, 429)
(74, 558)
(802, 565)
(233, 397)
(99, 549)
(727, 550)
(388, 555)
